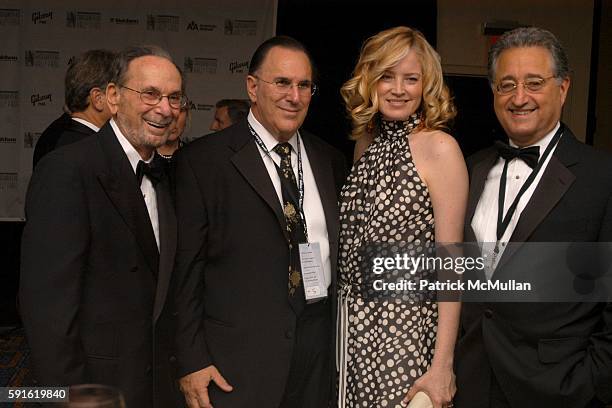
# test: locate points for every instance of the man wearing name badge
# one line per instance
(258, 224)
(99, 242)
(552, 188)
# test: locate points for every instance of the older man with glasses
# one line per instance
(99, 242)
(545, 186)
(258, 224)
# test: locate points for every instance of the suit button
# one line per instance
(148, 369)
(172, 359)
(289, 334)
(488, 313)
(133, 269)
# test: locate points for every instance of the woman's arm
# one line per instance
(440, 164)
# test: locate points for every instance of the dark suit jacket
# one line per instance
(93, 284)
(543, 354)
(232, 260)
(60, 132)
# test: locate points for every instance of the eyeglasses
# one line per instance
(509, 86)
(284, 85)
(152, 97)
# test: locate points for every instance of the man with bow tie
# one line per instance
(545, 186)
(99, 243)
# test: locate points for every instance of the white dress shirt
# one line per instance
(313, 208)
(484, 222)
(146, 187)
(86, 123)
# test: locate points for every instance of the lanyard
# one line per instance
(503, 222)
(300, 180)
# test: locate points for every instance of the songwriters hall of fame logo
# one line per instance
(87, 20)
(10, 17)
(30, 139)
(162, 22)
(200, 65)
(41, 59)
(9, 99)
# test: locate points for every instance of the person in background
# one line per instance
(85, 107)
(408, 186)
(228, 112)
(174, 142)
(553, 189)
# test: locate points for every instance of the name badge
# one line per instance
(312, 271)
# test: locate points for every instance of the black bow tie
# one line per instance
(154, 170)
(530, 155)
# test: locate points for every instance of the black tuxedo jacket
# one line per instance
(60, 132)
(93, 283)
(232, 260)
(543, 354)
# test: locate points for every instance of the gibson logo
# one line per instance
(41, 18)
(239, 67)
(40, 100)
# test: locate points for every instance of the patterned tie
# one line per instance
(295, 227)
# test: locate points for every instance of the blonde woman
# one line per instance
(408, 185)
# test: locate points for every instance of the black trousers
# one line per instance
(310, 374)
(497, 399)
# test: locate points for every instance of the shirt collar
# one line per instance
(86, 123)
(131, 153)
(266, 137)
(543, 142)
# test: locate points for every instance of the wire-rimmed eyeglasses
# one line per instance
(535, 84)
(152, 97)
(284, 85)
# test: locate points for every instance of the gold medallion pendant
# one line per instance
(290, 212)
(294, 280)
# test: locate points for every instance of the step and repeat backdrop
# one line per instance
(212, 41)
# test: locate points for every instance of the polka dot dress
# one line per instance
(387, 343)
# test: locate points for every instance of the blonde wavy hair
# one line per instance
(382, 52)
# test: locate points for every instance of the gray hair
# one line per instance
(530, 37)
(127, 55)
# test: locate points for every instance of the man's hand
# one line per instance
(195, 386)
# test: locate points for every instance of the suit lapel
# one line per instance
(167, 234)
(323, 173)
(555, 181)
(248, 162)
(119, 183)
